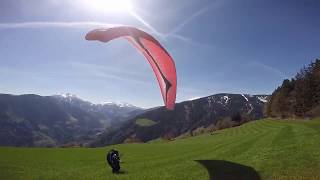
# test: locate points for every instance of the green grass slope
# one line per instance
(275, 149)
(145, 122)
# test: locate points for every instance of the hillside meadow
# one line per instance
(264, 149)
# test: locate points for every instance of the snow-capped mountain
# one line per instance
(33, 120)
(74, 99)
(113, 112)
(120, 104)
(189, 117)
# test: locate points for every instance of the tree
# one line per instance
(299, 96)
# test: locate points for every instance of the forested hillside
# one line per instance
(298, 97)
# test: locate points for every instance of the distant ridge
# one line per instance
(188, 118)
(33, 120)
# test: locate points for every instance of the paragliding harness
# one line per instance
(113, 160)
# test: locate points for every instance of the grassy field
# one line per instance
(272, 149)
(145, 122)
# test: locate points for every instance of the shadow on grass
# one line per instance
(121, 172)
(224, 170)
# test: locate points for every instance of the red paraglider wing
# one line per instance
(159, 59)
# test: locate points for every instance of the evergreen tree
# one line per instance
(299, 96)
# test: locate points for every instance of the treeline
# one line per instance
(298, 97)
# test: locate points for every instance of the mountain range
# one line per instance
(66, 120)
(33, 120)
(189, 118)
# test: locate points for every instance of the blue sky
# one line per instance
(235, 46)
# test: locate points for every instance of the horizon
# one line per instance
(221, 46)
(119, 103)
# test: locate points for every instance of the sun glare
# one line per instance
(110, 6)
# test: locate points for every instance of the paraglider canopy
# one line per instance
(160, 60)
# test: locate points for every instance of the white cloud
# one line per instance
(174, 32)
(61, 24)
(190, 19)
(109, 72)
(269, 68)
